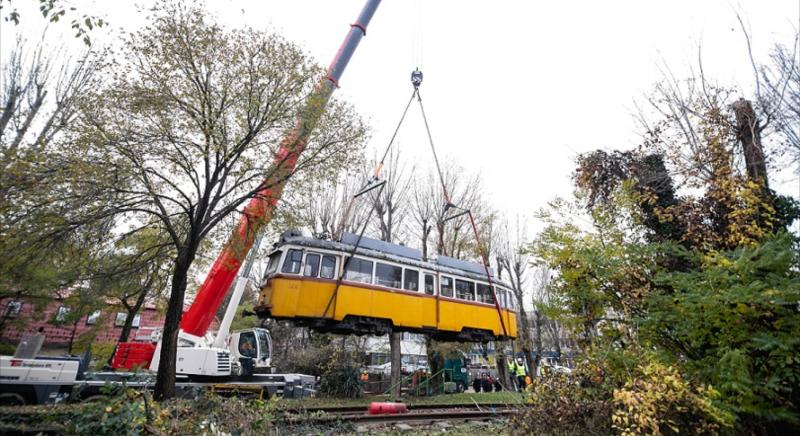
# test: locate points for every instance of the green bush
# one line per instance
(600, 399)
(134, 412)
(341, 377)
(556, 405)
(7, 349)
(658, 400)
(732, 322)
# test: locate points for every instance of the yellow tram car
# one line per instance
(384, 287)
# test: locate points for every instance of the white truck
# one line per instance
(28, 378)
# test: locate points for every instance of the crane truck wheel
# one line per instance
(11, 399)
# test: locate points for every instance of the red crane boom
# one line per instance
(260, 209)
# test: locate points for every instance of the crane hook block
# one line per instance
(416, 78)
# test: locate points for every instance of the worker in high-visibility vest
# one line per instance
(512, 372)
(520, 375)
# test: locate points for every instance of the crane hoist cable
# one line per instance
(352, 252)
(373, 183)
(450, 205)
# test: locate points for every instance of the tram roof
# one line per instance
(392, 252)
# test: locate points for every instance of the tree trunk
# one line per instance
(435, 361)
(165, 379)
(72, 336)
(440, 248)
(426, 230)
(132, 312)
(537, 341)
(529, 360)
(525, 329)
(748, 130)
(397, 361)
(502, 365)
(554, 331)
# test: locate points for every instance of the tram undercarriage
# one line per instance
(360, 325)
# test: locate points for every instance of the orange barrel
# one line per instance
(376, 408)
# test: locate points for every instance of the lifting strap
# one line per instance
(376, 183)
(449, 205)
(351, 253)
(373, 183)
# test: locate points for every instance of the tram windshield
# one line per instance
(274, 261)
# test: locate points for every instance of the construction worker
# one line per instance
(512, 372)
(520, 371)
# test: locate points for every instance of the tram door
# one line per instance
(430, 309)
(319, 272)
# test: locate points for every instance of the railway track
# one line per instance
(410, 407)
(417, 415)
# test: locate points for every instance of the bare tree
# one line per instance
(781, 98)
(328, 208)
(455, 236)
(40, 92)
(389, 203)
(541, 280)
(424, 211)
(691, 113)
(514, 260)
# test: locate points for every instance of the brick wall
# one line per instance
(107, 328)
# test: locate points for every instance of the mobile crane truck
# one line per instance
(239, 361)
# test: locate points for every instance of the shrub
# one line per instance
(567, 404)
(657, 400)
(131, 412)
(134, 412)
(7, 349)
(341, 377)
(610, 395)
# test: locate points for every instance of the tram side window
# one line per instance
(485, 294)
(446, 287)
(388, 275)
(465, 290)
(293, 261)
(429, 284)
(358, 270)
(312, 265)
(411, 280)
(328, 270)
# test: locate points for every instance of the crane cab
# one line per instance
(252, 350)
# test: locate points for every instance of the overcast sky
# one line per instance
(513, 90)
